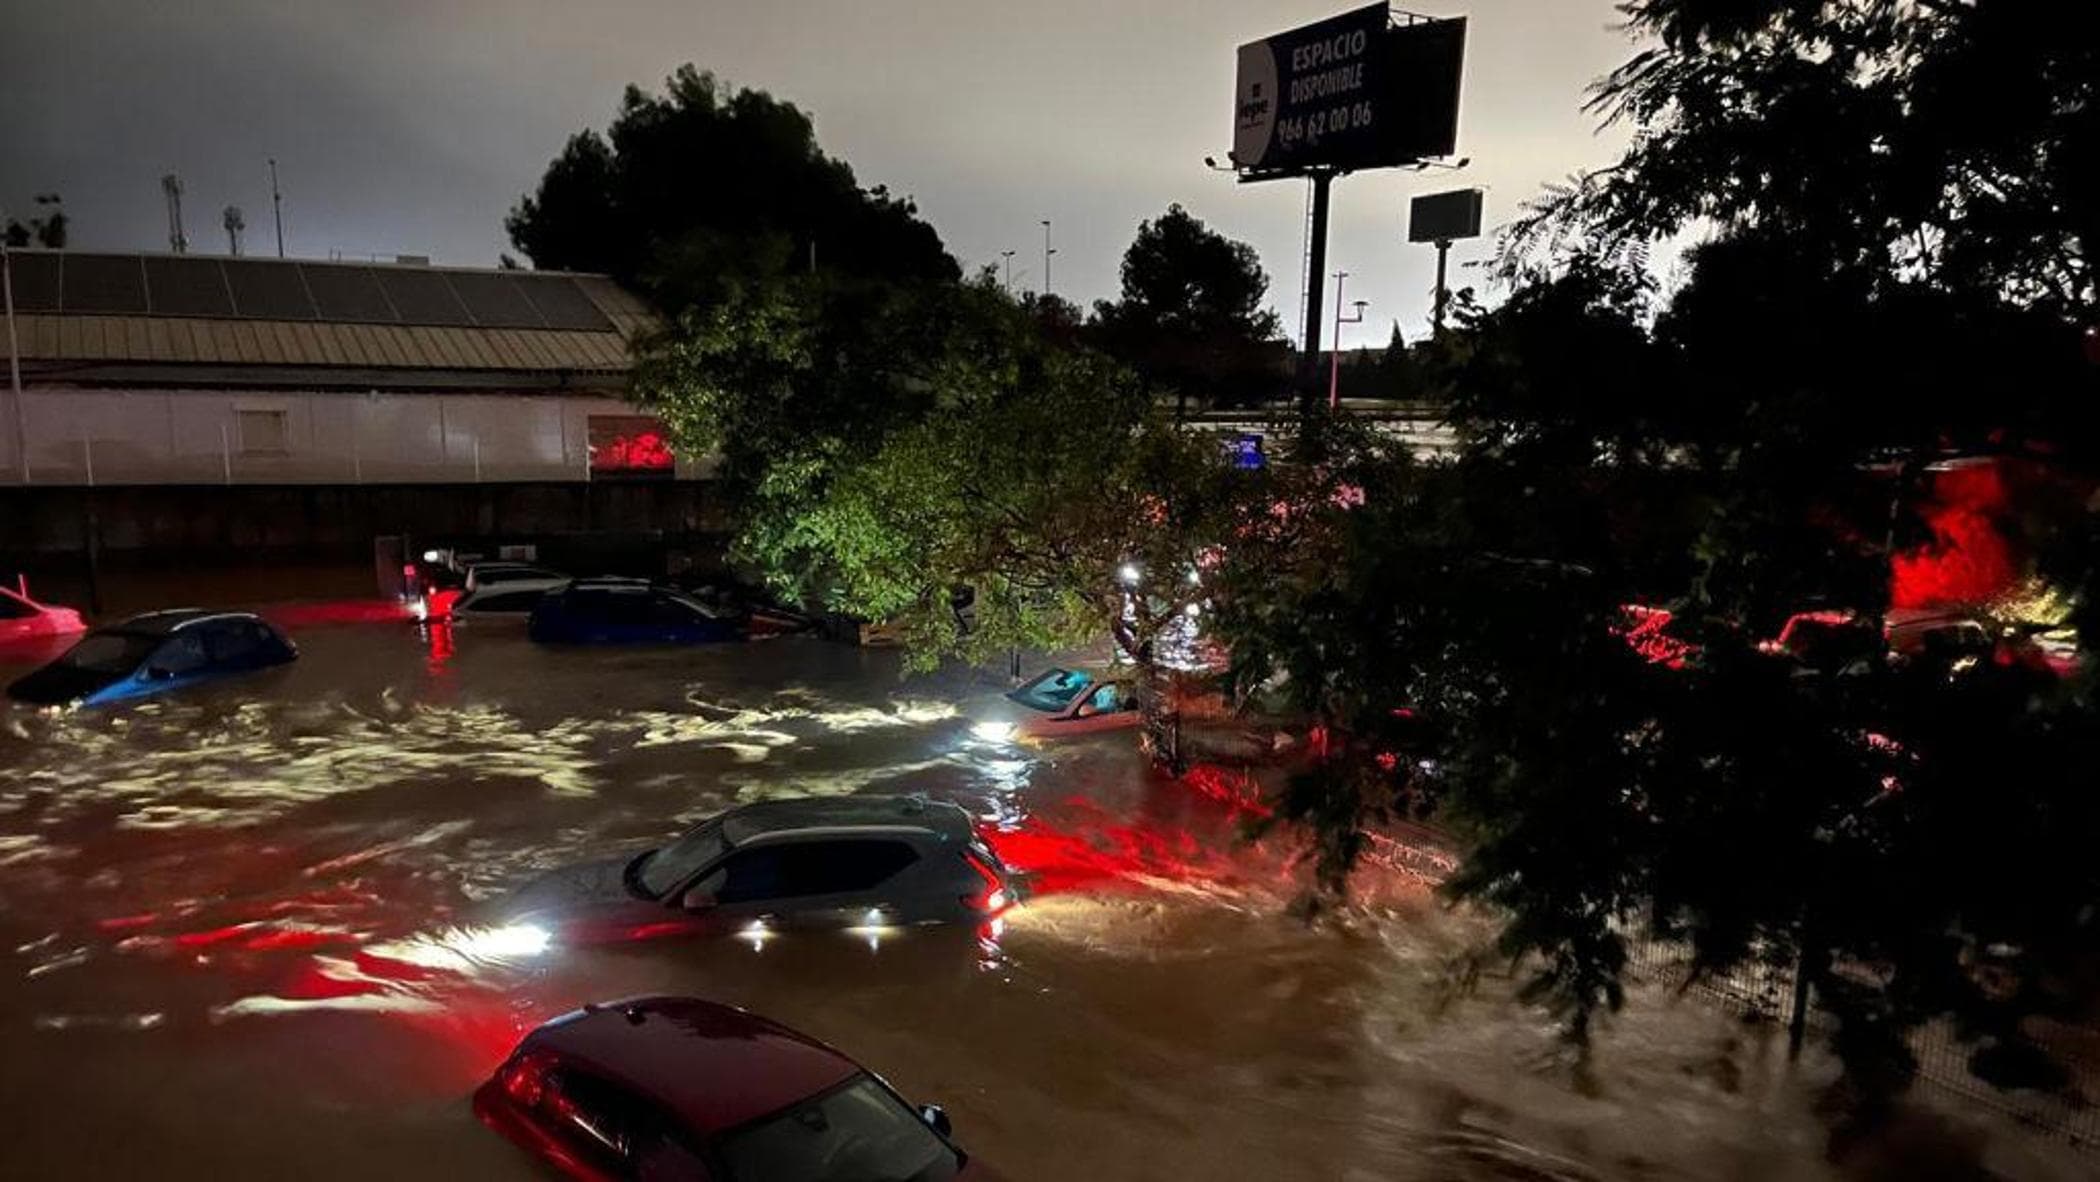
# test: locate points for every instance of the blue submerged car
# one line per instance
(627, 611)
(153, 653)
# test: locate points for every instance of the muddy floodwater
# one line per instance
(238, 940)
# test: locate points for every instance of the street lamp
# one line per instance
(1334, 370)
(1008, 257)
(1047, 252)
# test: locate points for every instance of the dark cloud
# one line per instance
(410, 127)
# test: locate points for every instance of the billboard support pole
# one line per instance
(1443, 255)
(1316, 266)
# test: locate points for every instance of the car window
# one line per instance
(674, 863)
(181, 653)
(672, 612)
(1052, 690)
(850, 1134)
(801, 869)
(230, 640)
(627, 607)
(109, 652)
(1106, 699)
(14, 609)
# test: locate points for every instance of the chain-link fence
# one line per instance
(2066, 1108)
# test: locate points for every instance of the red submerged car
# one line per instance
(23, 618)
(663, 1088)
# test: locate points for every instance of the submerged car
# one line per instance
(1059, 702)
(23, 618)
(488, 574)
(507, 600)
(627, 611)
(153, 653)
(834, 862)
(676, 1088)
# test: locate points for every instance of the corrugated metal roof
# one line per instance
(143, 339)
(56, 339)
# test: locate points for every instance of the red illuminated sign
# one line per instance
(630, 445)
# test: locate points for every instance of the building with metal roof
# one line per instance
(193, 369)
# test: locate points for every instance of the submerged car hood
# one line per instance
(572, 887)
(58, 685)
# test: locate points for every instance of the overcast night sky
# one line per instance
(410, 126)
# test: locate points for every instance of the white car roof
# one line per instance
(512, 587)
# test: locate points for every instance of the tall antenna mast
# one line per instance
(234, 225)
(277, 206)
(172, 186)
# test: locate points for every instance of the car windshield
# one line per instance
(660, 870)
(1052, 691)
(110, 652)
(857, 1133)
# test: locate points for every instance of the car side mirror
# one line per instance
(936, 1118)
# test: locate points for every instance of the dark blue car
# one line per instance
(153, 653)
(624, 611)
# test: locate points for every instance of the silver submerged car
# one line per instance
(834, 862)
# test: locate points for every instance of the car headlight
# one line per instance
(994, 732)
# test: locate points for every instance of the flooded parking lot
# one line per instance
(243, 938)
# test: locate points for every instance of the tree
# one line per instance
(48, 231)
(703, 186)
(998, 460)
(1898, 263)
(1190, 319)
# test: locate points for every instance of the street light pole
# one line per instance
(277, 206)
(1047, 252)
(1443, 293)
(1008, 256)
(1334, 370)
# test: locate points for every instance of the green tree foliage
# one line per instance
(704, 186)
(1190, 319)
(48, 231)
(891, 448)
(1897, 263)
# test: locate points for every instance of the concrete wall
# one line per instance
(120, 437)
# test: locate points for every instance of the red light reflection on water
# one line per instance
(338, 611)
(1101, 854)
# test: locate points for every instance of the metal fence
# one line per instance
(1765, 989)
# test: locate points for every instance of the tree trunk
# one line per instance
(1159, 717)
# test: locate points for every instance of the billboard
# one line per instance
(1349, 92)
(1444, 217)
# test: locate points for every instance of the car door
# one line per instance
(827, 882)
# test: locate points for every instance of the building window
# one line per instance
(261, 432)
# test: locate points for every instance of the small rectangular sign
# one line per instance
(1444, 217)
